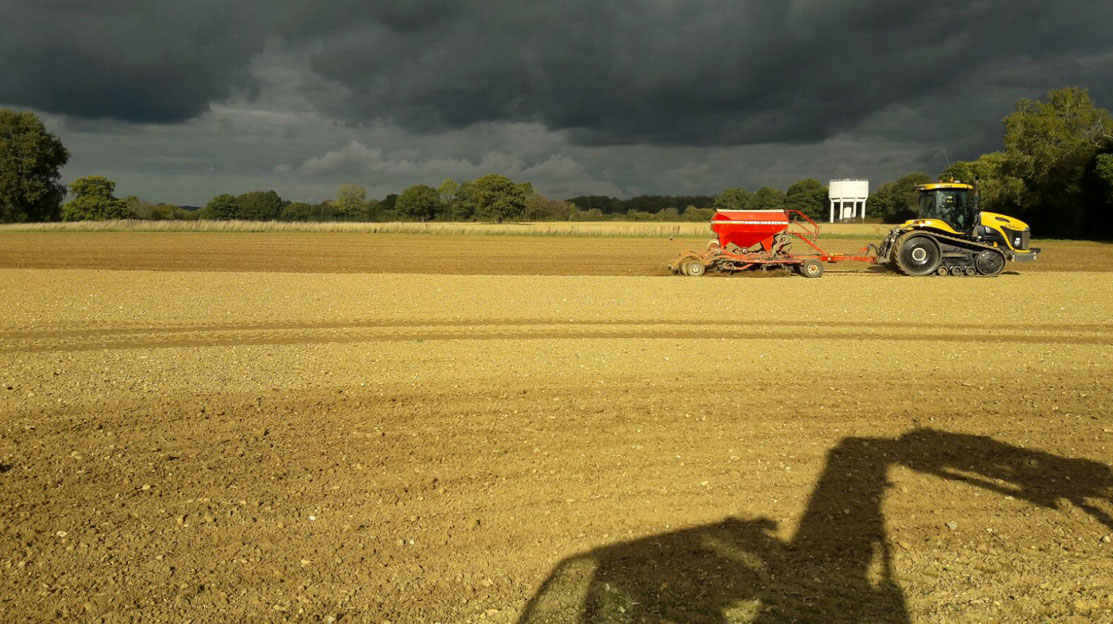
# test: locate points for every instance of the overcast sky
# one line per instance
(178, 101)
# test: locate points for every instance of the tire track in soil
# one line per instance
(65, 331)
(416, 331)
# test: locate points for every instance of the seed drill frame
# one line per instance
(762, 239)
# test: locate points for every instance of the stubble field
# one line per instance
(420, 428)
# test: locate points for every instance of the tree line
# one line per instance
(1055, 171)
(35, 194)
(490, 197)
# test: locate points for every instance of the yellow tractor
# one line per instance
(952, 236)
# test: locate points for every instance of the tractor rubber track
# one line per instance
(956, 252)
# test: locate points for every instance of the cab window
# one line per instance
(950, 206)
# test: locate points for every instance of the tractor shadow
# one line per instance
(836, 568)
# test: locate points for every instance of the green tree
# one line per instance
(138, 208)
(960, 171)
(1103, 168)
(693, 213)
(30, 162)
(463, 208)
(371, 210)
(541, 208)
(733, 199)
(997, 191)
(386, 206)
(767, 198)
(493, 198)
(164, 211)
(593, 214)
(143, 209)
(605, 205)
(419, 202)
(809, 196)
(668, 214)
(447, 190)
(897, 201)
(169, 211)
(322, 211)
(350, 203)
(298, 211)
(259, 205)
(1051, 146)
(447, 194)
(94, 201)
(222, 207)
(1044, 140)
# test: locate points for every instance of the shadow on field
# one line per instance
(837, 568)
(4, 468)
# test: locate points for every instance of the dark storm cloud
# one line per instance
(712, 72)
(126, 60)
(634, 71)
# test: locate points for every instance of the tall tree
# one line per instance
(494, 198)
(1103, 168)
(94, 201)
(371, 210)
(960, 171)
(140, 209)
(298, 211)
(31, 160)
(351, 202)
(1050, 145)
(259, 205)
(733, 199)
(221, 207)
(419, 202)
(767, 198)
(897, 201)
(541, 208)
(809, 196)
(387, 205)
(997, 191)
(447, 192)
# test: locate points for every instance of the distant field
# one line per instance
(546, 228)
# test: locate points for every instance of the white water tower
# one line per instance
(848, 198)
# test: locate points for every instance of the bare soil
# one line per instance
(337, 252)
(216, 440)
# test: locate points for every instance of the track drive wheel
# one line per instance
(989, 262)
(811, 268)
(918, 255)
(692, 267)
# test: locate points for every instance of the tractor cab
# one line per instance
(952, 203)
(951, 209)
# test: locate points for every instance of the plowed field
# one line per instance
(417, 253)
(238, 429)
